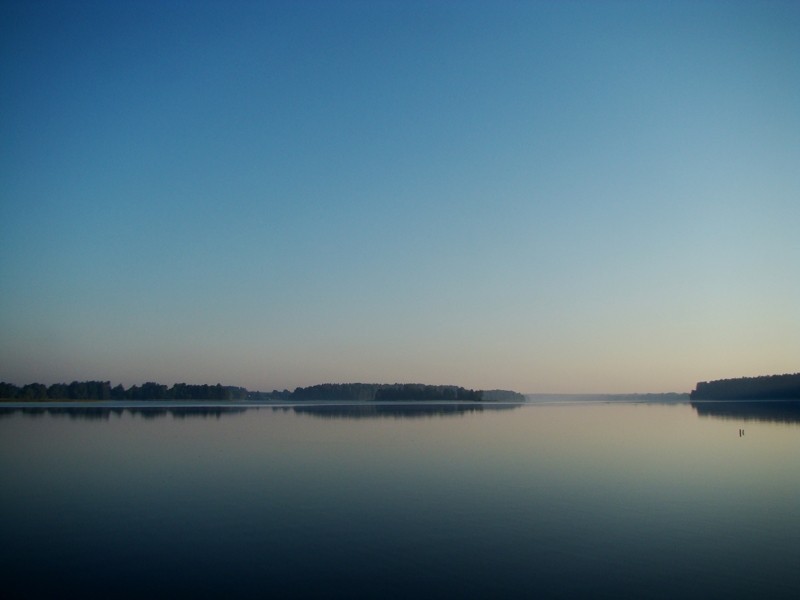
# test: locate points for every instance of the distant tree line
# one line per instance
(337, 391)
(768, 387)
(419, 391)
(102, 390)
(386, 392)
(351, 392)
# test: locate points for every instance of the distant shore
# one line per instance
(768, 387)
(89, 391)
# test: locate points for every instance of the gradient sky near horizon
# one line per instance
(540, 196)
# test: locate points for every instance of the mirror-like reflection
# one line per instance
(418, 410)
(779, 411)
(104, 413)
(572, 500)
(365, 410)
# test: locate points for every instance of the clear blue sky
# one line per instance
(543, 196)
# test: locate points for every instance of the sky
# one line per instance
(552, 197)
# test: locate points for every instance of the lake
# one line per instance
(549, 500)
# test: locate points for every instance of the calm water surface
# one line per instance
(551, 501)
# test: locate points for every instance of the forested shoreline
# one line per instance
(767, 387)
(359, 392)
(102, 390)
(378, 392)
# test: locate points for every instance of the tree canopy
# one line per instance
(768, 387)
(358, 392)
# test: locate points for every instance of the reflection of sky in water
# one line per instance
(575, 491)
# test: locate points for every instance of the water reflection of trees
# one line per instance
(377, 410)
(105, 413)
(782, 411)
(366, 410)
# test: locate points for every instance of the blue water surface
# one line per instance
(552, 500)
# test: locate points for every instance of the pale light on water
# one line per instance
(545, 500)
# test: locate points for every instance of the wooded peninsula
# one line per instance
(351, 392)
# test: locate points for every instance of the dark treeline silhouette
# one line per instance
(768, 387)
(337, 391)
(382, 392)
(102, 390)
(349, 392)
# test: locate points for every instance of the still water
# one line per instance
(558, 500)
